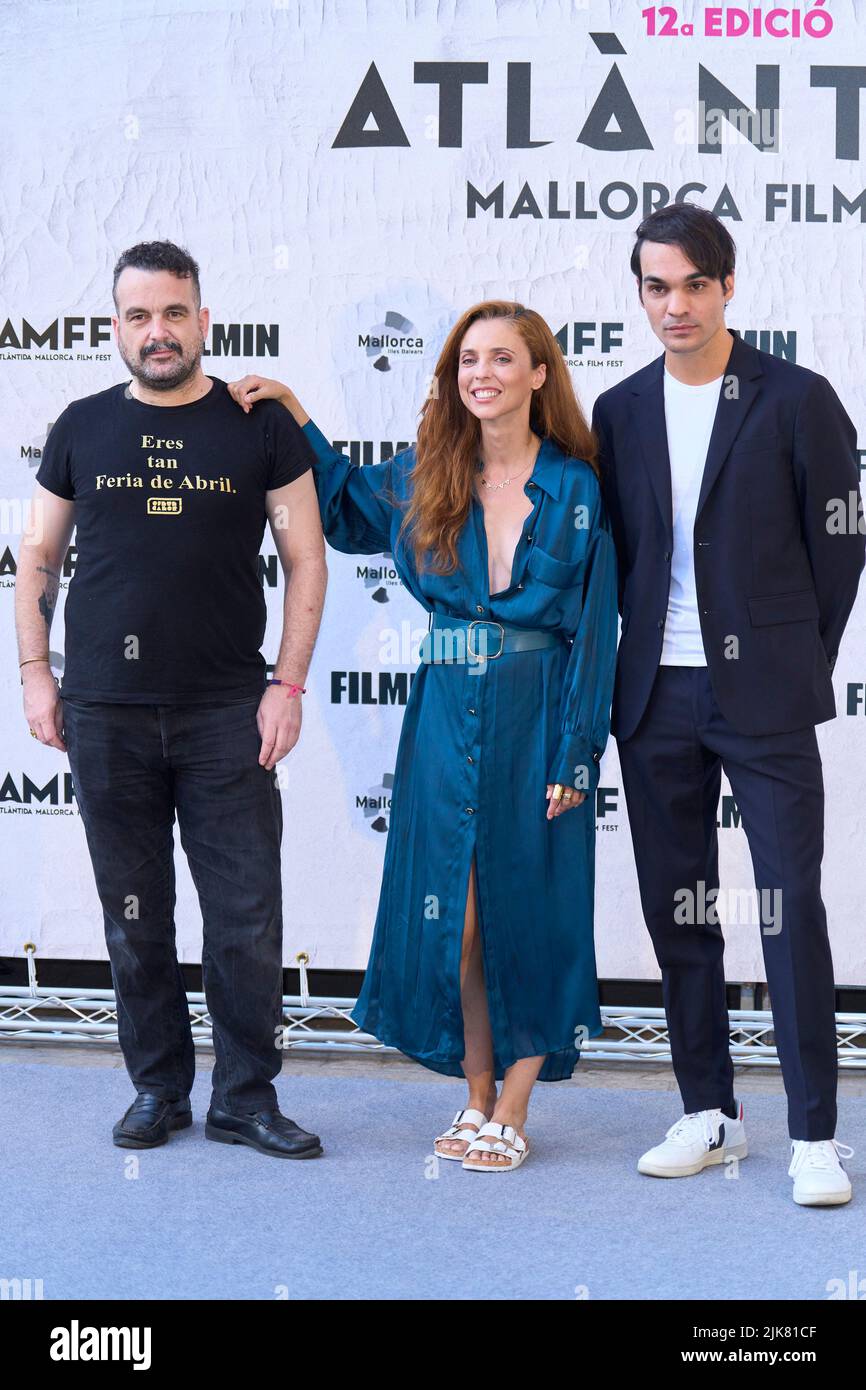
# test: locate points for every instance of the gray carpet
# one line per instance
(205, 1220)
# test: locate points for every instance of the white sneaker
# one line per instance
(819, 1178)
(694, 1142)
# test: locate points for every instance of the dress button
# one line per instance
(479, 608)
(529, 538)
(530, 484)
(596, 757)
(660, 623)
(520, 586)
(469, 758)
(470, 711)
(470, 810)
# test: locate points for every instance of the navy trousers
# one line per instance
(133, 767)
(671, 768)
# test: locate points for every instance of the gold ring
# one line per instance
(557, 792)
(567, 794)
(33, 733)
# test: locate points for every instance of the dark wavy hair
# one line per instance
(159, 255)
(696, 231)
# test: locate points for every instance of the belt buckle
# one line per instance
(486, 622)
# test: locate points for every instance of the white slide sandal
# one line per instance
(460, 1130)
(495, 1138)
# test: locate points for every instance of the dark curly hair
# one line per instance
(159, 255)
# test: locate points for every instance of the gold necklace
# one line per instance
(505, 481)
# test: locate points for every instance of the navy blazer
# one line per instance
(771, 570)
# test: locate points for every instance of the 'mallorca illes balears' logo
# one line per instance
(395, 337)
(376, 804)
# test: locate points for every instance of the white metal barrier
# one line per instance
(32, 1013)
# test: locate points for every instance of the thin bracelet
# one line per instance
(290, 686)
(34, 658)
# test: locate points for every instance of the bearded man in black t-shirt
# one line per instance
(164, 708)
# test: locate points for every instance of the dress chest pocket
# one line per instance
(559, 574)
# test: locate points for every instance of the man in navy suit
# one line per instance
(732, 485)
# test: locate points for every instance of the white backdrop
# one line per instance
(218, 125)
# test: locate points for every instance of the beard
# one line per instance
(167, 375)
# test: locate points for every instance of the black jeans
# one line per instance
(133, 767)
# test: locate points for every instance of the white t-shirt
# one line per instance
(689, 415)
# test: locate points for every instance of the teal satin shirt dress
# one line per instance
(480, 741)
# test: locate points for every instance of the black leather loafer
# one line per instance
(266, 1130)
(150, 1120)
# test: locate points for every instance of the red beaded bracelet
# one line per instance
(290, 686)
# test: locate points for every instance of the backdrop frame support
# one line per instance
(322, 1024)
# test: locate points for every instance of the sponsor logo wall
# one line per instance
(349, 184)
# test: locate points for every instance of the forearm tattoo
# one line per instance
(48, 597)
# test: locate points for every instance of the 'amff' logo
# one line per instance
(30, 792)
(577, 338)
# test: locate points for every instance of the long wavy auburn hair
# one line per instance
(449, 436)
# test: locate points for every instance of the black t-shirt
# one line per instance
(166, 602)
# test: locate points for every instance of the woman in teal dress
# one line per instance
(482, 962)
